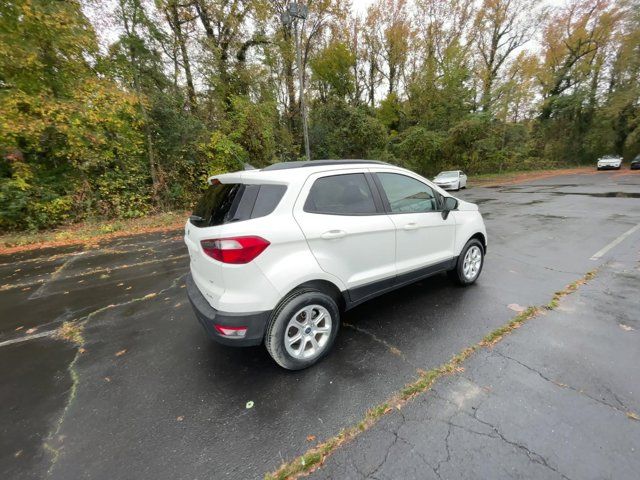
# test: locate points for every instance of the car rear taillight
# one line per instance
(235, 250)
(234, 332)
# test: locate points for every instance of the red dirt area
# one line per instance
(87, 238)
(521, 177)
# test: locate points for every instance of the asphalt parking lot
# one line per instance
(149, 396)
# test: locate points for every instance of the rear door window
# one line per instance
(232, 202)
(347, 194)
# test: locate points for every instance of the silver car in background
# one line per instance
(451, 180)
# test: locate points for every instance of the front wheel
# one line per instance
(470, 263)
(302, 329)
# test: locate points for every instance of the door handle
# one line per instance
(411, 226)
(333, 234)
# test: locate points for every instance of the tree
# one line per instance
(177, 17)
(501, 27)
(572, 37)
(391, 33)
(123, 108)
(332, 72)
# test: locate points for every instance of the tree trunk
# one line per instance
(174, 20)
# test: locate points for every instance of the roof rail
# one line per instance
(318, 163)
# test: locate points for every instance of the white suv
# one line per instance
(277, 254)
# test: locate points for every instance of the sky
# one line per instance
(360, 6)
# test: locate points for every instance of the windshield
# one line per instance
(447, 175)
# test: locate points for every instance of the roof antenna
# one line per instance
(248, 166)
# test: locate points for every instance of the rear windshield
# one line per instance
(232, 202)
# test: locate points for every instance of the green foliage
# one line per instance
(390, 112)
(44, 46)
(339, 130)
(121, 192)
(332, 69)
(252, 126)
(135, 125)
(420, 149)
(440, 94)
(222, 154)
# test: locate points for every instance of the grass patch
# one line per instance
(572, 287)
(498, 334)
(90, 232)
(71, 332)
(315, 456)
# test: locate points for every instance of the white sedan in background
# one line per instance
(610, 161)
(451, 180)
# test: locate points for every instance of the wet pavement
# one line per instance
(149, 396)
(558, 398)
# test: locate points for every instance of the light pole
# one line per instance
(296, 11)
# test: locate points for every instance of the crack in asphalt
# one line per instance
(75, 378)
(386, 456)
(623, 410)
(532, 455)
(390, 348)
(447, 449)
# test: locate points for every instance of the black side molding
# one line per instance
(358, 295)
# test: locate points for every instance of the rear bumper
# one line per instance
(609, 167)
(255, 322)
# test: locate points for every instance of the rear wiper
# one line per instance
(196, 218)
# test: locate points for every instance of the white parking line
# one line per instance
(27, 338)
(600, 253)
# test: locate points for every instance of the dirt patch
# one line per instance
(514, 178)
(90, 235)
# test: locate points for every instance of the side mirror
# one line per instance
(450, 203)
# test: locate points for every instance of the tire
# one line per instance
(458, 274)
(290, 319)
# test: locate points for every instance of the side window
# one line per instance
(267, 200)
(407, 195)
(341, 195)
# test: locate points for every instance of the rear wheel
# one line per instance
(302, 329)
(469, 264)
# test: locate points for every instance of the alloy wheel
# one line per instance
(308, 332)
